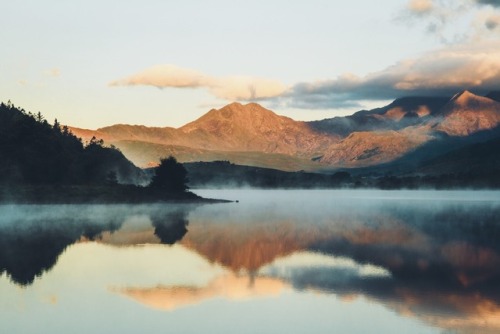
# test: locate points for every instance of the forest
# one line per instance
(45, 163)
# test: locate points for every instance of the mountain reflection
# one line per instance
(440, 264)
(444, 263)
(246, 248)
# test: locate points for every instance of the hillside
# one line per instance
(476, 159)
(235, 131)
(401, 113)
(34, 152)
(252, 135)
(251, 127)
(47, 164)
(223, 174)
(466, 114)
(375, 147)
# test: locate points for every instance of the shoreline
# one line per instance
(115, 194)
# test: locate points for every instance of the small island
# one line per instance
(42, 163)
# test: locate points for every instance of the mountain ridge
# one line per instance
(366, 138)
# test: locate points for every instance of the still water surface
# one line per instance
(314, 261)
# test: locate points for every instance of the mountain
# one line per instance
(375, 147)
(252, 135)
(402, 112)
(467, 113)
(434, 126)
(254, 128)
(234, 130)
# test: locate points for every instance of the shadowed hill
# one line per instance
(480, 159)
(402, 112)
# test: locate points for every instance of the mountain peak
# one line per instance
(468, 113)
(233, 105)
(466, 100)
(239, 106)
(463, 97)
(237, 111)
(251, 127)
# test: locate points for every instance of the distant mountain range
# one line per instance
(410, 129)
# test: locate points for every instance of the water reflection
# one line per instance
(32, 237)
(435, 261)
(170, 227)
(228, 286)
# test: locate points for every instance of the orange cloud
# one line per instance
(228, 88)
(229, 286)
(443, 72)
(420, 6)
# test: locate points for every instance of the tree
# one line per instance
(170, 176)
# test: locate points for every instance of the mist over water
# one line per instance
(312, 261)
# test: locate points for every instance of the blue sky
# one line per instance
(164, 63)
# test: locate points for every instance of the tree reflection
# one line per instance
(170, 227)
(29, 250)
(30, 244)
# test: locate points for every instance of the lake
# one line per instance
(278, 261)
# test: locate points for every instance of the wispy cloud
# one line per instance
(435, 17)
(442, 72)
(53, 72)
(420, 7)
(492, 22)
(440, 17)
(231, 88)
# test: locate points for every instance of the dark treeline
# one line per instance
(45, 163)
(220, 174)
(226, 174)
(34, 152)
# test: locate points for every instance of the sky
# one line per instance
(165, 63)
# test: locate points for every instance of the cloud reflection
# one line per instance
(437, 263)
(229, 286)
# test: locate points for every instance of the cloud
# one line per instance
(494, 3)
(441, 72)
(53, 72)
(436, 17)
(492, 22)
(165, 76)
(420, 6)
(230, 88)
(452, 21)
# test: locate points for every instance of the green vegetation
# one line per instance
(46, 163)
(225, 174)
(222, 174)
(34, 152)
(170, 176)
